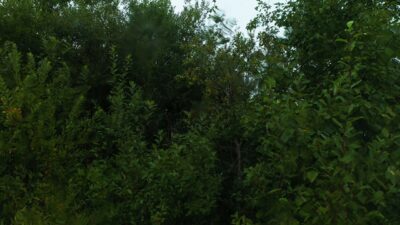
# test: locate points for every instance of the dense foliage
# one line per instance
(127, 112)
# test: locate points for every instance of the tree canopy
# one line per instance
(127, 112)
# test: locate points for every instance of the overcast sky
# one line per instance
(240, 10)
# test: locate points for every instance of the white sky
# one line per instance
(240, 10)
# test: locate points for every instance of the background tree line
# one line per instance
(127, 112)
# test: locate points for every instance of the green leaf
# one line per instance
(322, 210)
(337, 122)
(352, 46)
(356, 83)
(270, 83)
(385, 133)
(274, 191)
(347, 158)
(312, 175)
(375, 215)
(350, 24)
(378, 197)
(287, 134)
(341, 40)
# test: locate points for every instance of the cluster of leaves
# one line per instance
(127, 112)
(61, 163)
(327, 138)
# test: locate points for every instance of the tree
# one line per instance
(127, 112)
(328, 145)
